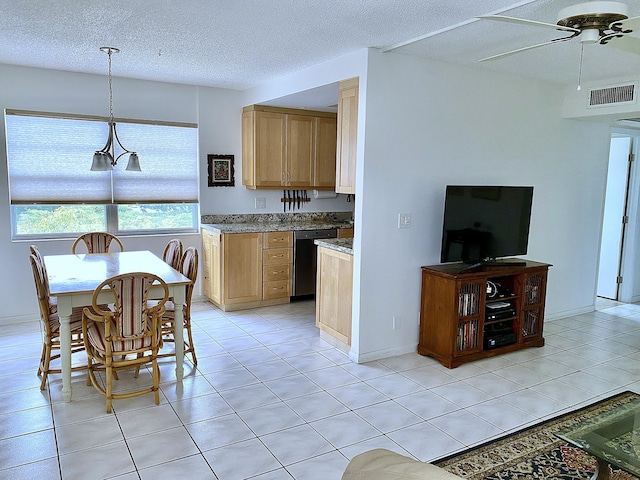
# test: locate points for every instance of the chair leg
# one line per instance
(44, 364)
(109, 389)
(192, 347)
(156, 379)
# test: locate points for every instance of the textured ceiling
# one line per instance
(241, 43)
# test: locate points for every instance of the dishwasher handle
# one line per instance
(311, 234)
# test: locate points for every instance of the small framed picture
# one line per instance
(220, 170)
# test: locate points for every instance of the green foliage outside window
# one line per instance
(60, 219)
(41, 219)
(154, 217)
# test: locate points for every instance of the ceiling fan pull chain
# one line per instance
(580, 70)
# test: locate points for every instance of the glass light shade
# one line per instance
(134, 163)
(100, 162)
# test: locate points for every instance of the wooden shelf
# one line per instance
(453, 313)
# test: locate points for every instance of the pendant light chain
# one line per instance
(580, 69)
(110, 89)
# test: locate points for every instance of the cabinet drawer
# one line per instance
(271, 273)
(275, 256)
(277, 239)
(277, 289)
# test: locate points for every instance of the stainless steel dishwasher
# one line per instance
(305, 259)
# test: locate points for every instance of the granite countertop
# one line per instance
(275, 222)
(344, 245)
(272, 226)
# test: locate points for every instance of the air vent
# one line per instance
(612, 95)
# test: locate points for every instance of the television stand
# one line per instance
(460, 322)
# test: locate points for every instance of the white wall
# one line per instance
(217, 111)
(430, 124)
(422, 125)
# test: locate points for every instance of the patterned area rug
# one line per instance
(535, 452)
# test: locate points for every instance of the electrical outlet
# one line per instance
(395, 322)
(404, 220)
(261, 202)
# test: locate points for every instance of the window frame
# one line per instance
(110, 209)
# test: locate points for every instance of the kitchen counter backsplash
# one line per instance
(247, 223)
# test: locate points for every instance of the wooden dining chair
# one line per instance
(189, 268)
(53, 301)
(97, 242)
(172, 254)
(125, 336)
(51, 323)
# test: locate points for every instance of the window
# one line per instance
(54, 193)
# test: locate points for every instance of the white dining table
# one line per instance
(73, 279)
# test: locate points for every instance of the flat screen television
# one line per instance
(484, 223)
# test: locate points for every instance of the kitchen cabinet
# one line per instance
(247, 270)
(324, 167)
(277, 265)
(283, 147)
(347, 136)
(211, 285)
(334, 291)
(241, 260)
(345, 233)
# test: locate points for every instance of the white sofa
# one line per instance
(381, 464)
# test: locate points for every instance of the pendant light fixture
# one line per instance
(105, 159)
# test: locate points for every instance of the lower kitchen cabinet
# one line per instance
(334, 290)
(234, 269)
(277, 265)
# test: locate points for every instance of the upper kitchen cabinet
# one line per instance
(347, 140)
(283, 147)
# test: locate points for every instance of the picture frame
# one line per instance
(220, 170)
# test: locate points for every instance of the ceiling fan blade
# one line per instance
(631, 24)
(523, 21)
(628, 43)
(523, 49)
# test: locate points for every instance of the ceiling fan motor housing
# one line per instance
(594, 19)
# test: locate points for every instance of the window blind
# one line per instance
(49, 161)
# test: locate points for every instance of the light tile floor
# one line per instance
(270, 400)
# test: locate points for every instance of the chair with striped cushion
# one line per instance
(125, 336)
(172, 254)
(51, 323)
(189, 268)
(97, 242)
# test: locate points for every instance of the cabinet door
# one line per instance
(300, 150)
(347, 137)
(248, 151)
(270, 149)
(324, 168)
(206, 264)
(534, 285)
(470, 311)
(334, 289)
(242, 253)
(211, 273)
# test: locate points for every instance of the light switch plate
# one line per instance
(404, 220)
(261, 202)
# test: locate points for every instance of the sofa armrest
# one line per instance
(381, 464)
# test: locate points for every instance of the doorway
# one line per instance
(615, 248)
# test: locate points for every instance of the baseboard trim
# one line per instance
(380, 354)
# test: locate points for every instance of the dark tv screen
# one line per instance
(483, 223)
